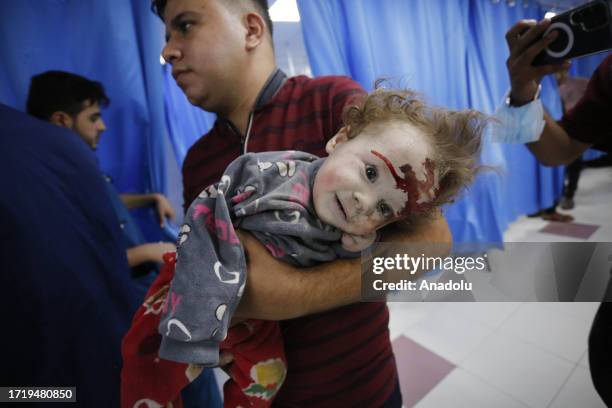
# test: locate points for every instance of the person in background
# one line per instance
(69, 296)
(74, 102)
(338, 350)
(587, 125)
(570, 90)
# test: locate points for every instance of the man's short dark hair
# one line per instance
(159, 7)
(54, 91)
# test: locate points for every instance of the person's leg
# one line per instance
(572, 174)
(600, 349)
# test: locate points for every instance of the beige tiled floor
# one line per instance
(515, 354)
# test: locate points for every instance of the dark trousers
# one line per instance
(572, 174)
(600, 348)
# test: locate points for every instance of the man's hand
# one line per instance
(164, 208)
(152, 252)
(162, 205)
(356, 243)
(525, 41)
(226, 361)
(273, 287)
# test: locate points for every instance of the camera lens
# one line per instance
(564, 41)
(560, 42)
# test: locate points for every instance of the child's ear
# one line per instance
(338, 139)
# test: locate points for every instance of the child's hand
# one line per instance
(356, 243)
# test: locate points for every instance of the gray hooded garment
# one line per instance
(267, 194)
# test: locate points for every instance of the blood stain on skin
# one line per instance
(411, 185)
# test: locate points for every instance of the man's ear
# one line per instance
(62, 119)
(338, 139)
(256, 30)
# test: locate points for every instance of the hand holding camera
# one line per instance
(581, 31)
(525, 41)
(539, 49)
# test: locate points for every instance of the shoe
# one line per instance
(567, 203)
(557, 217)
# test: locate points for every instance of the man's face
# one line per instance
(89, 125)
(206, 48)
(376, 178)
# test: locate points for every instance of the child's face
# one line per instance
(380, 176)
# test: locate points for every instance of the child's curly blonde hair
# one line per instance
(455, 135)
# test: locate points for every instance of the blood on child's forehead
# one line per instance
(401, 183)
(410, 185)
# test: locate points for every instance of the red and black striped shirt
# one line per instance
(343, 357)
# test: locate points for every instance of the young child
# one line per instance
(393, 160)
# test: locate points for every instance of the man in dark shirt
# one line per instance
(221, 52)
(588, 124)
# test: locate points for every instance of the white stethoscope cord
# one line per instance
(248, 132)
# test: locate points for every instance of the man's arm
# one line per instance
(277, 291)
(152, 252)
(162, 205)
(555, 147)
(132, 201)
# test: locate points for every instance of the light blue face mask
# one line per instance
(523, 124)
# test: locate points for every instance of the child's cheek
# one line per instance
(329, 179)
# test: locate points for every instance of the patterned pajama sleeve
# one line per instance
(210, 275)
